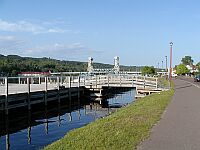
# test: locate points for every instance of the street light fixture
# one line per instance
(170, 71)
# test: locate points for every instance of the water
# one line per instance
(39, 128)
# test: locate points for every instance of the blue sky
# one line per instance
(138, 31)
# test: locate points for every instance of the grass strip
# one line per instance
(123, 130)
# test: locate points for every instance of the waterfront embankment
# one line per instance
(124, 129)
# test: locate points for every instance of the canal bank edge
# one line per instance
(125, 129)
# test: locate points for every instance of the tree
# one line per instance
(182, 69)
(198, 66)
(146, 70)
(187, 60)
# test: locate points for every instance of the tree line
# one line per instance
(182, 68)
(11, 65)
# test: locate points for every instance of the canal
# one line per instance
(44, 125)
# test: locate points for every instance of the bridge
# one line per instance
(18, 92)
(26, 91)
(114, 70)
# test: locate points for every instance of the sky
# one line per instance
(138, 31)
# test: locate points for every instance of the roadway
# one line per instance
(179, 128)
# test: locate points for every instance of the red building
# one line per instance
(34, 74)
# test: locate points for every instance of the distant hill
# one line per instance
(11, 65)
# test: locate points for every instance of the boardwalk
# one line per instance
(179, 129)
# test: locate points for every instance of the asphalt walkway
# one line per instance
(179, 128)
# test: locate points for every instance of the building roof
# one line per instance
(41, 73)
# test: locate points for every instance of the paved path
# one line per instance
(179, 128)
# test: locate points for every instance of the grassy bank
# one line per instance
(124, 129)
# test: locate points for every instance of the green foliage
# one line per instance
(11, 65)
(187, 60)
(124, 129)
(198, 66)
(163, 82)
(146, 70)
(182, 69)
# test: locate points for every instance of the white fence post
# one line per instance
(46, 89)
(69, 82)
(6, 94)
(58, 84)
(132, 81)
(78, 87)
(144, 82)
(120, 80)
(29, 91)
(156, 83)
(39, 80)
(96, 81)
(108, 80)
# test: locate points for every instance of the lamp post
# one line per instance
(162, 64)
(170, 71)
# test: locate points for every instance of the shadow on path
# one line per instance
(182, 87)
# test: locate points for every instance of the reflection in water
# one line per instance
(46, 122)
(24, 131)
(70, 116)
(59, 120)
(7, 134)
(79, 114)
(29, 127)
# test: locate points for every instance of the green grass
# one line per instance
(163, 82)
(123, 130)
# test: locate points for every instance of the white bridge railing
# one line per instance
(30, 85)
(13, 85)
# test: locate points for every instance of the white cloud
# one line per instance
(57, 31)
(11, 45)
(77, 51)
(58, 50)
(57, 47)
(26, 26)
(9, 41)
(6, 38)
